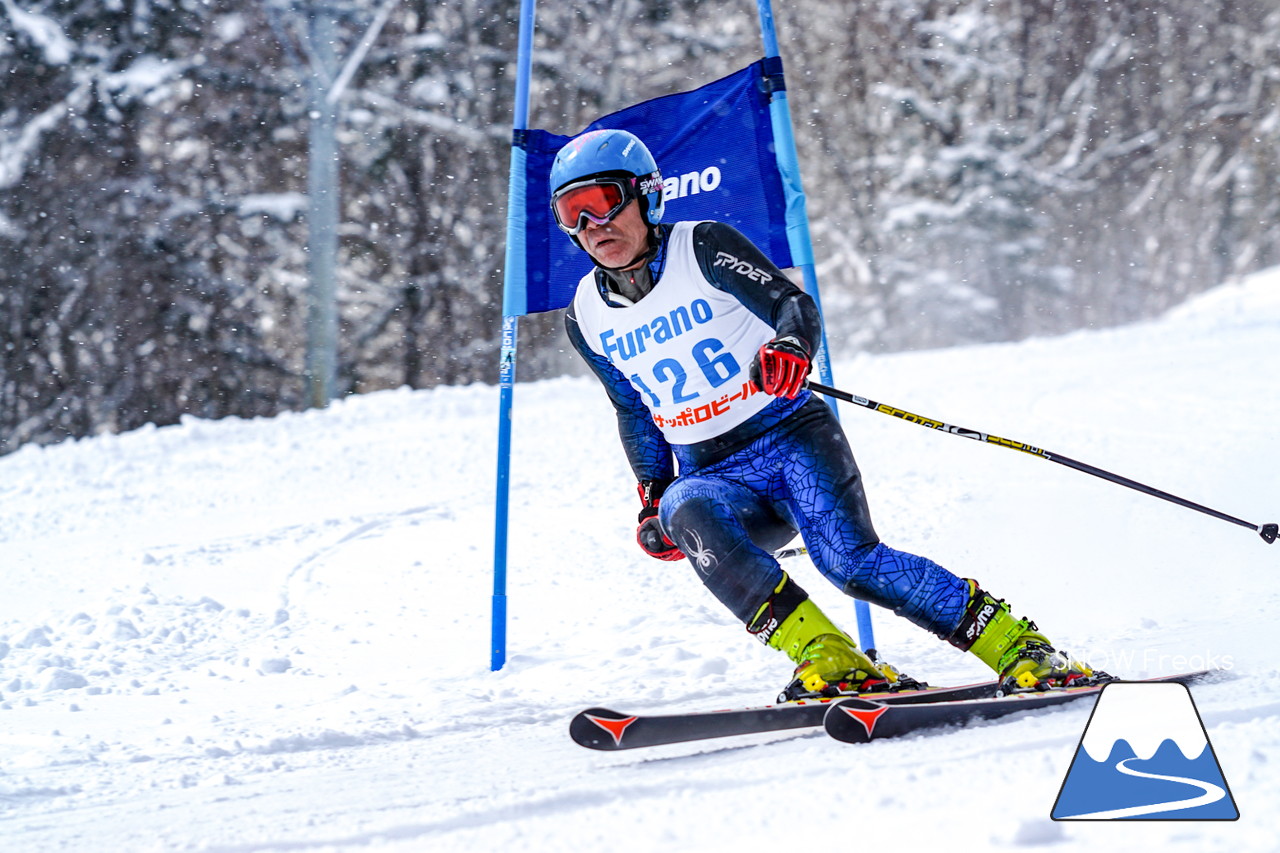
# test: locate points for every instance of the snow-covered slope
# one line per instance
(274, 635)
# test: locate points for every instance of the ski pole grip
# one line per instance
(1270, 532)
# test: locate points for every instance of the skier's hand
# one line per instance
(781, 366)
(649, 533)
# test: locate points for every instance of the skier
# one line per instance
(703, 347)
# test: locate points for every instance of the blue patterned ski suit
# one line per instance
(745, 492)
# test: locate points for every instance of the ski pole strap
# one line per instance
(1269, 532)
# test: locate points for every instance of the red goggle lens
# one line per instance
(599, 202)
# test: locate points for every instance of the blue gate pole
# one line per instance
(798, 238)
(514, 303)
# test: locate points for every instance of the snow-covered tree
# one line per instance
(975, 169)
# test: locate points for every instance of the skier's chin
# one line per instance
(611, 254)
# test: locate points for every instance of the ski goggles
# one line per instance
(596, 200)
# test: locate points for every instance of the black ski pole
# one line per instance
(1268, 532)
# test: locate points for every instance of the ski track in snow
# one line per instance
(273, 635)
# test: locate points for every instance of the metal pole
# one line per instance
(322, 217)
(323, 194)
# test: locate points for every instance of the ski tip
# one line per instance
(854, 720)
(600, 728)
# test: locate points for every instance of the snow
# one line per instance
(43, 32)
(143, 76)
(15, 150)
(285, 207)
(274, 634)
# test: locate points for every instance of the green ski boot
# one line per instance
(1022, 656)
(833, 659)
(827, 660)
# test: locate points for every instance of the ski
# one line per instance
(605, 729)
(862, 719)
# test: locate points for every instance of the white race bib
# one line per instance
(686, 347)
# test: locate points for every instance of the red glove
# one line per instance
(649, 534)
(781, 366)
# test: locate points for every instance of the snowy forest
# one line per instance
(976, 170)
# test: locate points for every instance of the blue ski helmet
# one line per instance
(611, 151)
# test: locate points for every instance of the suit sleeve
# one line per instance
(647, 449)
(732, 263)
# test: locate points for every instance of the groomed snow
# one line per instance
(274, 634)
